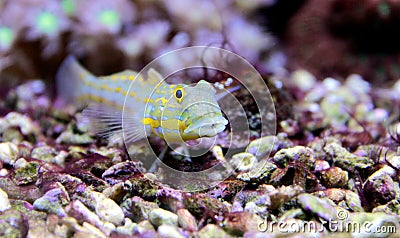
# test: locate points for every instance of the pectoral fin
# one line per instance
(106, 120)
(103, 120)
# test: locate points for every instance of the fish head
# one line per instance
(198, 114)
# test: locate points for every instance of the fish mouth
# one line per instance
(207, 126)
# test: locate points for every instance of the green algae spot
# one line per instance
(384, 9)
(27, 174)
(47, 23)
(109, 18)
(69, 7)
(6, 37)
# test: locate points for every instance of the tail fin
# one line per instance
(68, 78)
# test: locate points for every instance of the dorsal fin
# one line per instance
(154, 76)
(123, 75)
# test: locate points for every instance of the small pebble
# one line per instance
(186, 220)
(106, 208)
(334, 177)
(44, 153)
(8, 152)
(262, 146)
(243, 162)
(211, 230)
(52, 201)
(128, 228)
(320, 207)
(24, 123)
(4, 202)
(169, 231)
(303, 79)
(160, 216)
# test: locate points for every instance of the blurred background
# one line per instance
(327, 38)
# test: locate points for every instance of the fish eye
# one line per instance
(179, 94)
